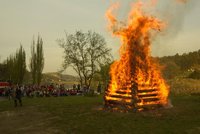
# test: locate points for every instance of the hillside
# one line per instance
(54, 77)
(181, 65)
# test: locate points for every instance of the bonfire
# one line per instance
(136, 82)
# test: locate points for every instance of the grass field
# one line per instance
(79, 114)
(184, 86)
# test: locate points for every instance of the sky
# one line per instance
(22, 20)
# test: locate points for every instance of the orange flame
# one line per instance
(135, 71)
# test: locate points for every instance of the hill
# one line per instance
(181, 65)
(54, 77)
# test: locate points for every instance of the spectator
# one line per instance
(78, 87)
(9, 93)
(18, 94)
(99, 88)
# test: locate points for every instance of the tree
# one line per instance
(16, 66)
(33, 64)
(3, 72)
(171, 70)
(37, 61)
(10, 68)
(104, 73)
(40, 60)
(84, 52)
(195, 74)
(20, 64)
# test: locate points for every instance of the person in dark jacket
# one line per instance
(18, 95)
(99, 88)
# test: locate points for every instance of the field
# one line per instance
(79, 114)
(184, 86)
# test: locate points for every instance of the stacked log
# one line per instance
(141, 97)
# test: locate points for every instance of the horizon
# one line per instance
(23, 20)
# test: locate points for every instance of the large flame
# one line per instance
(136, 70)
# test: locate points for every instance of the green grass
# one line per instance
(78, 114)
(184, 86)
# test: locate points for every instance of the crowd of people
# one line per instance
(15, 92)
(47, 90)
(42, 91)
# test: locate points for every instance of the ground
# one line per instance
(79, 114)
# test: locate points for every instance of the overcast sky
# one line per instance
(20, 20)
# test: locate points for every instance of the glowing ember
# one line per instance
(136, 81)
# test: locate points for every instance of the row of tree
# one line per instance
(88, 54)
(13, 69)
(14, 66)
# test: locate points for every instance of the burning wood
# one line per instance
(136, 82)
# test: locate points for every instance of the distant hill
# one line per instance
(54, 77)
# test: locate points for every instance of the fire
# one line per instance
(136, 81)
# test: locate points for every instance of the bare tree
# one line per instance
(84, 52)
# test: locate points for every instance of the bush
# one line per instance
(195, 74)
(91, 93)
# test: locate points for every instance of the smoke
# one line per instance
(173, 13)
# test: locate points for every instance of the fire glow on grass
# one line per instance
(136, 81)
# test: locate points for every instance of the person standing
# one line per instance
(99, 88)
(9, 93)
(18, 95)
(74, 87)
(78, 87)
